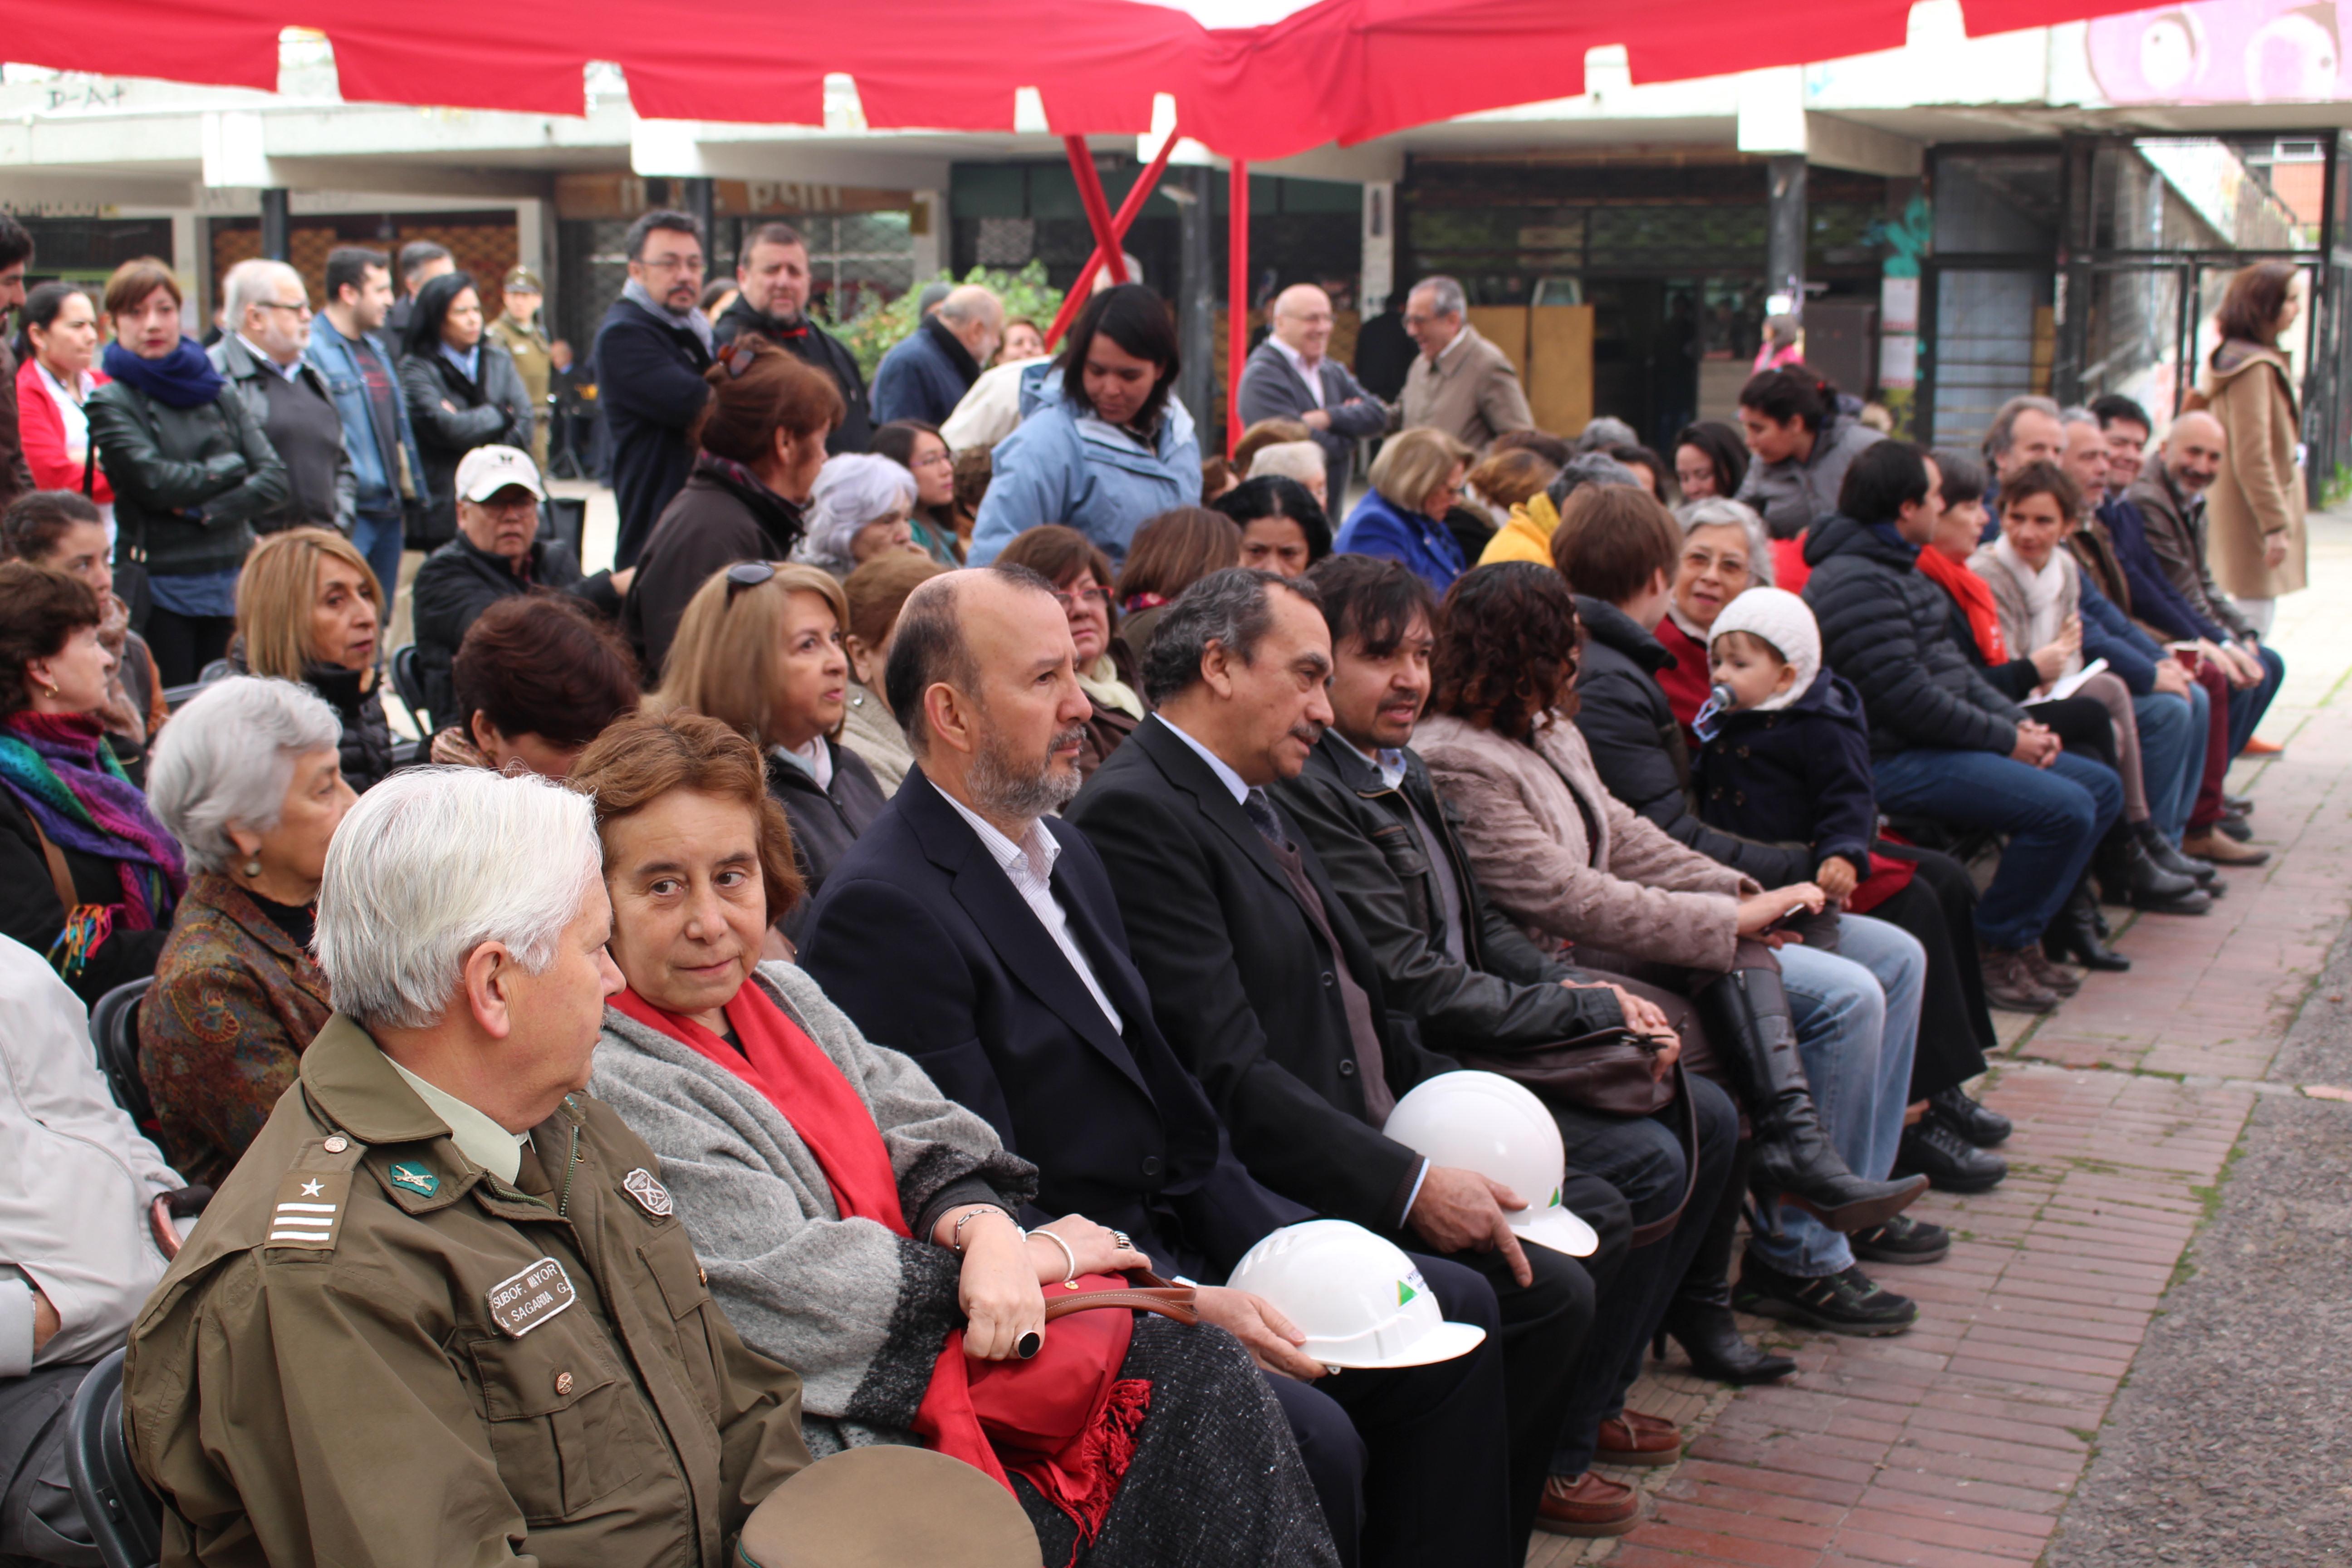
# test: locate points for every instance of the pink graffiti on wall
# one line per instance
(2221, 51)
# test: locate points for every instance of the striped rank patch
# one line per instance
(310, 1208)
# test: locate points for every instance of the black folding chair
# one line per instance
(409, 681)
(114, 1032)
(124, 1517)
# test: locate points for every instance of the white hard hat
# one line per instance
(1482, 1121)
(1357, 1298)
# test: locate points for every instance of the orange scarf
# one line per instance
(1974, 595)
(1065, 1420)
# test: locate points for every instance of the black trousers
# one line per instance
(184, 645)
(1641, 1158)
(40, 1520)
(1940, 908)
(1412, 1463)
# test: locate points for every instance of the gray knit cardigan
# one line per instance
(859, 1313)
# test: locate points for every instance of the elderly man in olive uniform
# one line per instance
(441, 1313)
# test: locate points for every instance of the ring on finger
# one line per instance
(1120, 1237)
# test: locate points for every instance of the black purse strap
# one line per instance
(1686, 1134)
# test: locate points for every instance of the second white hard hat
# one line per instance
(1482, 1121)
(1359, 1299)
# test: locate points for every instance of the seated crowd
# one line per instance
(797, 992)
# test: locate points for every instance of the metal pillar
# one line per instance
(702, 206)
(1237, 301)
(2071, 302)
(275, 244)
(1194, 192)
(1784, 245)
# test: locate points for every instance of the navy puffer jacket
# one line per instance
(1883, 629)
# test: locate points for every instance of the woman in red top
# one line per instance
(55, 379)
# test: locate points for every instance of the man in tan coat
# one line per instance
(1460, 382)
(442, 1311)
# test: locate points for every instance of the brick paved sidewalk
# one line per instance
(1958, 1444)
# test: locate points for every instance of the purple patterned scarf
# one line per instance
(59, 770)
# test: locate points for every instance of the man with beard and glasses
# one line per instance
(1032, 1014)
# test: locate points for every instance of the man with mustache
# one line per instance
(1033, 1015)
(649, 357)
(1262, 981)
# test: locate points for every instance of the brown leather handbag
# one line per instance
(1150, 1294)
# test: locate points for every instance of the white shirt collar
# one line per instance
(477, 1137)
(57, 388)
(1459, 339)
(1225, 775)
(1311, 374)
(1038, 847)
(261, 358)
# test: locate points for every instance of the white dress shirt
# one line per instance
(1225, 775)
(1029, 864)
(261, 357)
(1312, 374)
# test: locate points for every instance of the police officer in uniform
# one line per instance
(520, 328)
(442, 1312)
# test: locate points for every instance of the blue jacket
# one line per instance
(2154, 599)
(1798, 774)
(2108, 632)
(375, 454)
(924, 377)
(1379, 527)
(1069, 467)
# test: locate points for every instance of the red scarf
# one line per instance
(1064, 1420)
(1687, 679)
(1974, 595)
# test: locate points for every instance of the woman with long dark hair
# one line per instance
(463, 392)
(920, 448)
(1107, 446)
(2255, 505)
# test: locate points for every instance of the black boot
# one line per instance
(2160, 849)
(1699, 1316)
(1747, 1017)
(2128, 876)
(2072, 934)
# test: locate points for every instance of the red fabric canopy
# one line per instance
(1338, 70)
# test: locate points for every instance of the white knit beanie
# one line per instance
(1780, 618)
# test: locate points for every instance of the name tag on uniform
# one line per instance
(520, 1302)
(309, 1209)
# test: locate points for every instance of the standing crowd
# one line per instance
(1238, 1019)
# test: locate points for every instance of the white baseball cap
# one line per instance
(1357, 1298)
(1484, 1123)
(486, 470)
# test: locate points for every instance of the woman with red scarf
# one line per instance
(859, 1227)
(88, 876)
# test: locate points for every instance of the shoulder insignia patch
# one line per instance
(651, 1196)
(309, 1209)
(416, 1178)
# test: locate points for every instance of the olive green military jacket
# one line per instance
(536, 365)
(373, 1350)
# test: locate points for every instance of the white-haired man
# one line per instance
(442, 1310)
(926, 374)
(267, 312)
(1291, 375)
(1460, 382)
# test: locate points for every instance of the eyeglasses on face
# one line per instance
(747, 574)
(1073, 597)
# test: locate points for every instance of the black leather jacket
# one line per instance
(1506, 991)
(188, 482)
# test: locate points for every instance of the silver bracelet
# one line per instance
(1067, 1252)
(955, 1236)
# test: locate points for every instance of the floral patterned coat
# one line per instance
(221, 1034)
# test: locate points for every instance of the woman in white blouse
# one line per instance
(55, 379)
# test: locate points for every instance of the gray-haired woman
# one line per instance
(248, 778)
(860, 508)
(1727, 549)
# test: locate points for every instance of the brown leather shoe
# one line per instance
(1588, 1505)
(2009, 984)
(2222, 850)
(2050, 975)
(1631, 1437)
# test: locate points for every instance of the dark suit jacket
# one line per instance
(1242, 982)
(999, 1017)
(1272, 388)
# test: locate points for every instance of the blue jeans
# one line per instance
(2053, 816)
(1857, 1016)
(2171, 754)
(2248, 706)
(377, 537)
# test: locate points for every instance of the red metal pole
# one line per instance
(1121, 221)
(1237, 301)
(1091, 196)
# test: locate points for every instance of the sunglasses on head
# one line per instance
(739, 356)
(747, 574)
